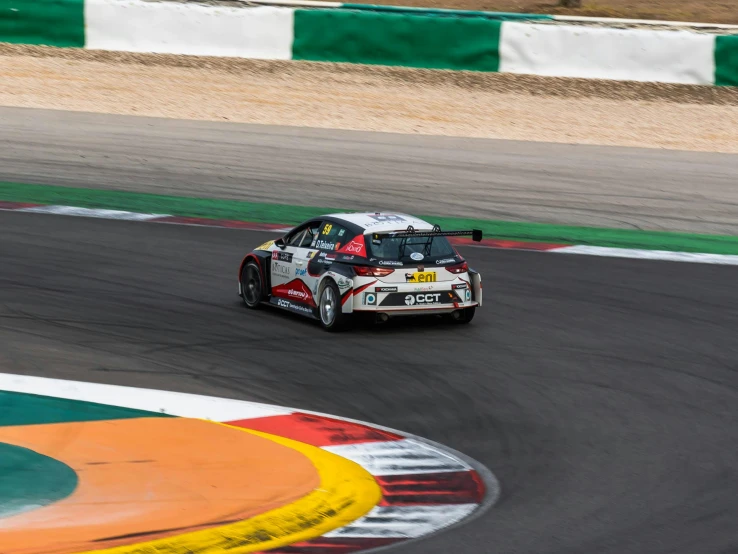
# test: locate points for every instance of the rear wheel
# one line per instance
(252, 285)
(331, 312)
(464, 315)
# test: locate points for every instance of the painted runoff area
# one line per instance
(235, 214)
(259, 477)
(441, 39)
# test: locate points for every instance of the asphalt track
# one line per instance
(490, 179)
(601, 392)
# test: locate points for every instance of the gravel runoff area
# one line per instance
(372, 98)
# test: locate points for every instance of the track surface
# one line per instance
(601, 392)
(493, 179)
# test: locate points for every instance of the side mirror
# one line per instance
(280, 243)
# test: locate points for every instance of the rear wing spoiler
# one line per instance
(410, 232)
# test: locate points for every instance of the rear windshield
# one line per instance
(400, 249)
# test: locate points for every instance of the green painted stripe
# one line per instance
(501, 16)
(291, 215)
(726, 60)
(29, 409)
(370, 37)
(47, 22)
(29, 480)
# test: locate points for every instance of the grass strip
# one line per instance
(211, 208)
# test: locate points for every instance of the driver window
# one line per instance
(296, 239)
(303, 237)
(310, 233)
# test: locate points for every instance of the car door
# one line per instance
(290, 278)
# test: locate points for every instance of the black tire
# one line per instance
(464, 315)
(252, 285)
(330, 311)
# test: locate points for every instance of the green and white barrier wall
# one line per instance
(443, 39)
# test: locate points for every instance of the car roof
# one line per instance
(382, 221)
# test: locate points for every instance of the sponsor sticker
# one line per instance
(385, 289)
(325, 245)
(386, 218)
(423, 298)
(370, 298)
(284, 303)
(390, 262)
(421, 277)
(298, 294)
(282, 256)
(311, 254)
(343, 283)
(445, 261)
(300, 272)
(280, 269)
(417, 256)
(420, 299)
(354, 247)
(459, 286)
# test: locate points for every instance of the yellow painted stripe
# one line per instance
(347, 492)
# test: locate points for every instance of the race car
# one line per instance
(388, 264)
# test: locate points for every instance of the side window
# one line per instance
(295, 239)
(304, 235)
(332, 236)
(310, 234)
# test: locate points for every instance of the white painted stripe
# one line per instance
(262, 32)
(405, 522)
(399, 457)
(606, 53)
(295, 3)
(618, 20)
(691, 257)
(91, 212)
(165, 402)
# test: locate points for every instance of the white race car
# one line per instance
(385, 263)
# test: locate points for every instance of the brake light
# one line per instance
(463, 267)
(365, 271)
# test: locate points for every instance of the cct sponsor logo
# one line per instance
(430, 298)
(282, 303)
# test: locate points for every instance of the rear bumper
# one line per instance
(428, 310)
(414, 299)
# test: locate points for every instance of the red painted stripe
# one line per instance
(231, 224)
(363, 287)
(332, 546)
(346, 296)
(459, 487)
(518, 245)
(16, 205)
(316, 430)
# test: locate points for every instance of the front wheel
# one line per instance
(252, 285)
(331, 311)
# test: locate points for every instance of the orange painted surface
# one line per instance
(141, 479)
